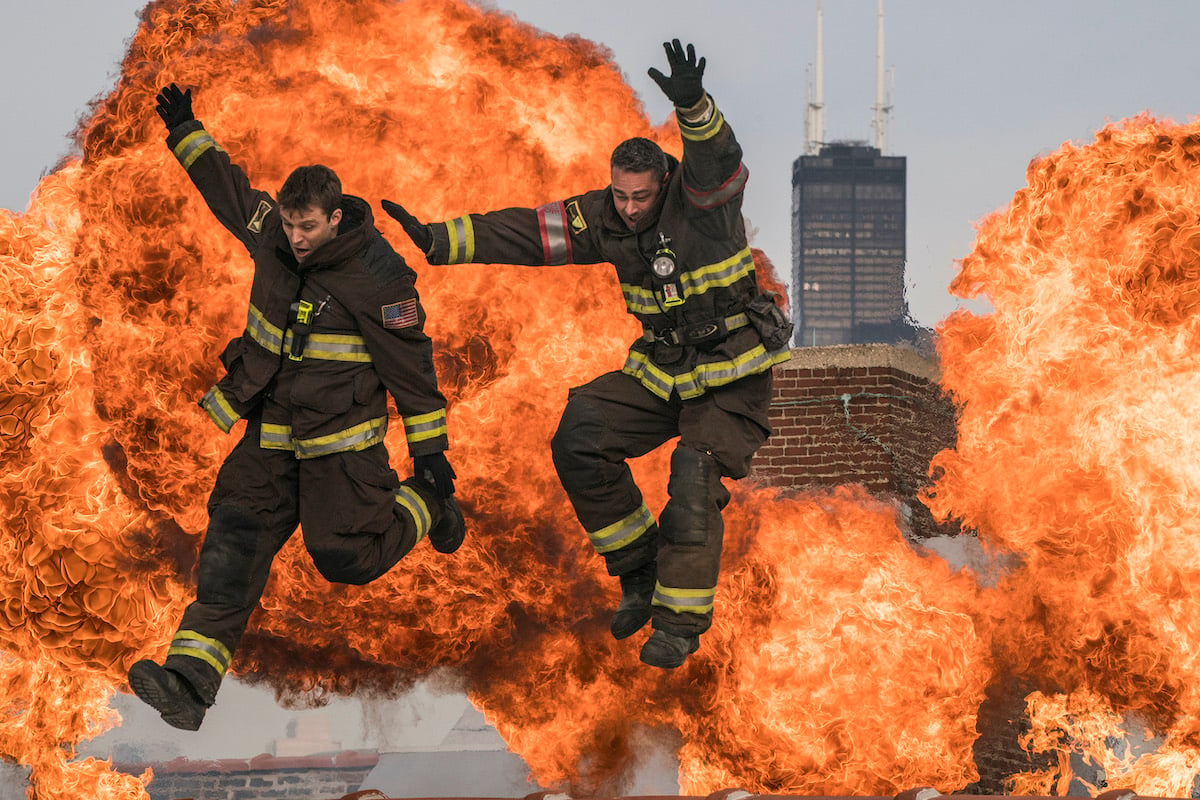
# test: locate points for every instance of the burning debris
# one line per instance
(841, 662)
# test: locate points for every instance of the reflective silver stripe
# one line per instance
(425, 426)
(192, 146)
(262, 331)
(204, 648)
(407, 497)
(703, 131)
(359, 437)
(720, 373)
(638, 365)
(684, 601)
(623, 531)
(275, 437)
(639, 300)
(462, 240)
(556, 246)
(332, 347)
(219, 410)
(722, 273)
(721, 194)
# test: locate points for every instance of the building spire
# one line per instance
(814, 119)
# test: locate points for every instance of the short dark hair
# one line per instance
(314, 185)
(639, 155)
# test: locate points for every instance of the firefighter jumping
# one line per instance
(701, 371)
(334, 326)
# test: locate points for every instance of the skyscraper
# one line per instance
(848, 227)
(848, 245)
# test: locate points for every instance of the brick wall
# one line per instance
(263, 777)
(867, 414)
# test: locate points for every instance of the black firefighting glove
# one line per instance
(174, 106)
(418, 231)
(684, 87)
(435, 470)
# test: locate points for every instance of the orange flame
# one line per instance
(1078, 436)
(839, 662)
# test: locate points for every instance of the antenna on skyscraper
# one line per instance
(814, 119)
(883, 95)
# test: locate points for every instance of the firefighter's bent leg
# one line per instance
(358, 519)
(689, 555)
(590, 461)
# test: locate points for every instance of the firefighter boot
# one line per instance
(637, 590)
(447, 535)
(667, 650)
(168, 694)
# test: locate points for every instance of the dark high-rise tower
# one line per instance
(848, 223)
(848, 228)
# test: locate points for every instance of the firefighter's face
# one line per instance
(308, 228)
(634, 194)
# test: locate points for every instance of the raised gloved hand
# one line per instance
(435, 470)
(174, 106)
(418, 231)
(684, 86)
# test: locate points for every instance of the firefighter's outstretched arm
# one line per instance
(684, 86)
(418, 231)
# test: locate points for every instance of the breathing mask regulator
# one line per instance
(664, 271)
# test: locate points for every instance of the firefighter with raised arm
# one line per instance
(334, 326)
(701, 371)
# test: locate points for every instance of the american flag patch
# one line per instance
(400, 315)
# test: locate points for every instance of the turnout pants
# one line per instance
(357, 519)
(615, 418)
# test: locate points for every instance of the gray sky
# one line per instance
(980, 89)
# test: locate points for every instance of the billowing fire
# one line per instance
(840, 662)
(1077, 446)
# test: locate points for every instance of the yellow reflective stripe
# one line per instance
(192, 146)
(723, 273)
(219, 410)
(639, 365)
(639, 300)
(423, 427)
(275, 437)
(262, 331)
(462, 237)
(412, 502)
(358, 437)
(703, 131)
(721, 373)
(684, 601)
(332, 347)
(204, 648)
(623, 531)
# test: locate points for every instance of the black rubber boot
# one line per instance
(448, 534)
(667, 650)
(637, 590)
(168, 694)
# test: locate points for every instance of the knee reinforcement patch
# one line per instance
(227, 557)
(575, 446)
(697, 496)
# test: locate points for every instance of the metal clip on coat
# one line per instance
(300, 329)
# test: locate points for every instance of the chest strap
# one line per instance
(697, 333)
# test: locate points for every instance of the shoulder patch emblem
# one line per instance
(575, 217)
(256, 222)
(400, 315)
